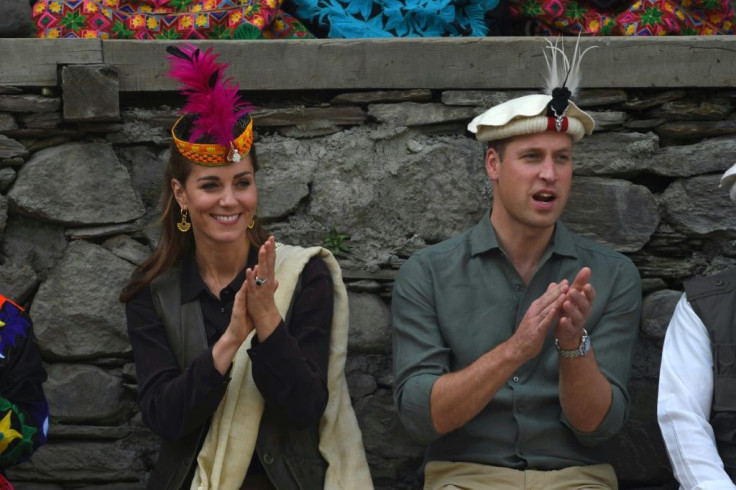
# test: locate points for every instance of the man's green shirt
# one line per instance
(457, 300)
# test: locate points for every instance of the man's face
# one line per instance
(531, 184)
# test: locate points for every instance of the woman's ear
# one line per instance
(179, 194)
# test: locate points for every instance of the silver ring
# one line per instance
(260, 282)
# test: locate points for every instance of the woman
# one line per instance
(232, 339)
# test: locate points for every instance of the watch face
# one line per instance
(585, 345)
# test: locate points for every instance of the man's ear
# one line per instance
(179, 194)
(492, 162)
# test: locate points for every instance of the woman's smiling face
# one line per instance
(221, 201)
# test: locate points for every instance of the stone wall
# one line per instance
(394, 169)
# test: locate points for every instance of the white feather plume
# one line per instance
(563, 72)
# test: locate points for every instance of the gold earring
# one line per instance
(252, 224)
(183, 225)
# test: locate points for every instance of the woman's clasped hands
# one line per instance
(254, 305)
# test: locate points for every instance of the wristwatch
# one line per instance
(580, 351)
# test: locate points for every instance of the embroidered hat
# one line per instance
(215, 128)
(729, 180)
(537, 113)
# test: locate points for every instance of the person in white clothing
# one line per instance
(696, 406)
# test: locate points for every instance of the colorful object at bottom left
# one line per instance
(24, 412)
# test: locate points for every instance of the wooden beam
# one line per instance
(439, 63)
(371, 64)
(34, 62)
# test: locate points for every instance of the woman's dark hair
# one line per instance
(174, 245)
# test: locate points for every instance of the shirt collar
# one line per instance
(192, 284)
(483, 238)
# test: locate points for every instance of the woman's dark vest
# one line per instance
(714, 300)
(290, 457)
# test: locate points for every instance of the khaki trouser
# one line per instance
(445, 475)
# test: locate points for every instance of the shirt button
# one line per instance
(268, 458)
(516, 379)
(517, 287)
(520, 409)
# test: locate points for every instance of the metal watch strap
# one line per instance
(581, 351)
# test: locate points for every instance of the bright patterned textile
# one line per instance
(24, 413)
(164, 19)
(394, 18)
(639, 18)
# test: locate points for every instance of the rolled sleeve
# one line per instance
(611, 423)
(420, 353)
(613, 338)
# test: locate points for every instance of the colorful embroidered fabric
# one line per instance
(394, 18)
(165, 19)
(639, 18)
(24, 413)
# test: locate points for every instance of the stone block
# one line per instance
(614, 212)
(707, 156)
(342, 116)
(27, 241)
(7, 122)
(145, 126)
(644, 102)
(76, 311)
(127, 248)
(696, 206)
(10, 148)
(85, 394)
(63, 185)
(606, 121)
(90, 93)
(640, 457)
(415, 114)
(599, 97)
(88, 432)
(657, 310)
(482, 99)
(78, 461)
(370, 324)
(619, 154)
(714, 109)
(18, 281)
(383, 96)
(695, 130)
(286, 171)
(41, 120)
(377, 418)
(146, 167)
(7, 177)
(29, 103)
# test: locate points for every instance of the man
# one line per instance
(513, 340)
(696, 407)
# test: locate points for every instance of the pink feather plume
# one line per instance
(209, 94)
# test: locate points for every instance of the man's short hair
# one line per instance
(499, 146)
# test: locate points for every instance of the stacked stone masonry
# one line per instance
(394, 169)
